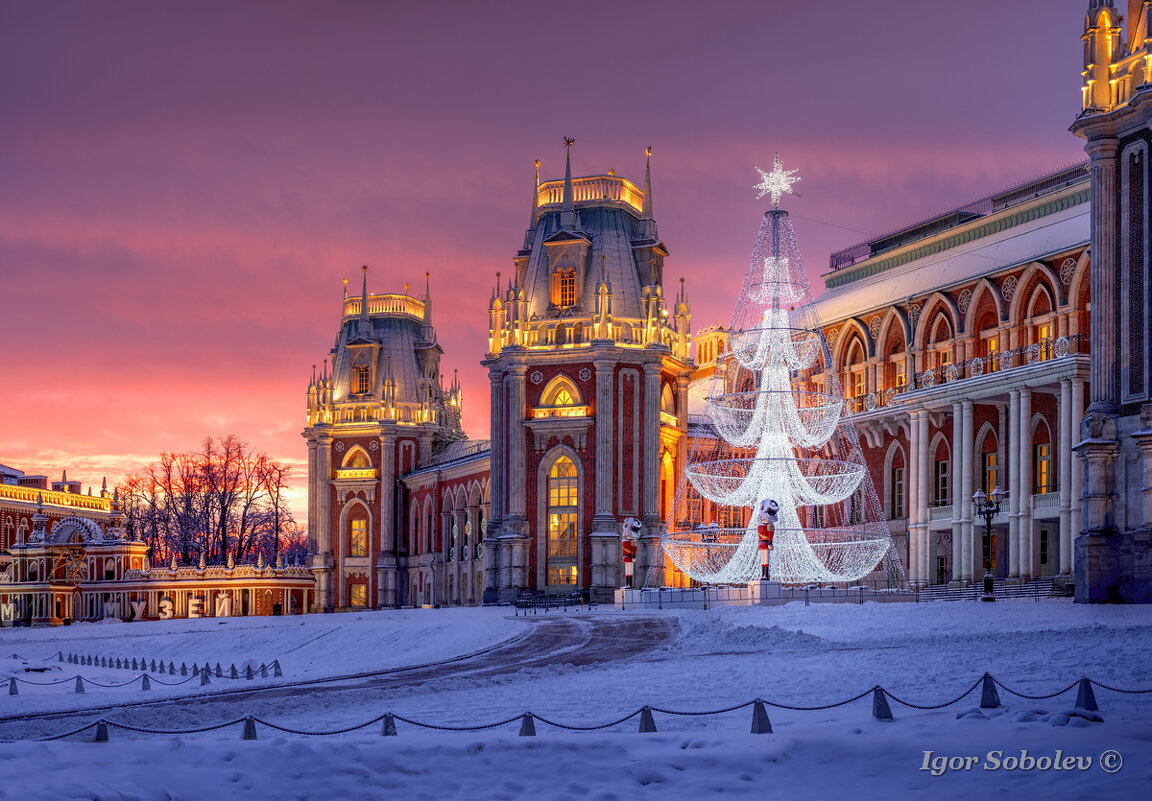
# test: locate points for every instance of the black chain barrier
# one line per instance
(201, 730)
(1071, 686)
(587, 728)
(1118, 690)
(957, 699)
(819, 708)
(459, 728)
(644, 712)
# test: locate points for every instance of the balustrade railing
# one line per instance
(1035, 353)
(598, 187)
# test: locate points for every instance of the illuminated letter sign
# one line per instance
(166, 609)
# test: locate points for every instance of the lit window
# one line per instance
(357, 594)
(1044, 340)
(1042, 455)
(563, 499)
(991, 349)
(564, 398)
(990, 478)
(358, 538)
(361, 380)
(858, 384)
(901, 375)
(566, 287)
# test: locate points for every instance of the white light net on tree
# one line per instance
(777, 431)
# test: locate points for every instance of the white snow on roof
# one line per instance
(1017, 245)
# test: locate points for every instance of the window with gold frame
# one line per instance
(358, 537)
(358, 595)
(563, 503)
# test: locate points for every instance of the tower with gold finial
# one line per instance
(1116, 430)
(589, 373)
(382, 411)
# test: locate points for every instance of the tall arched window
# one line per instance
(563, 500)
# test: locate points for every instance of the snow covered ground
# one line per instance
(794, 655)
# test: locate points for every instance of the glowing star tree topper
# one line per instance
(776, 183)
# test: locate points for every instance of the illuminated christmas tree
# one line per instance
(776, 407)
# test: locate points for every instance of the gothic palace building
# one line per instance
(1005, 343)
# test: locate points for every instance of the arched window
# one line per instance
(563, 501)
(358, 531)
(854, 380)
(357, 460)
(560, 398)
(1042, 475)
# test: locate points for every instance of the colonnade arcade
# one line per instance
(991, 393)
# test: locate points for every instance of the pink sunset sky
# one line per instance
(184, 185)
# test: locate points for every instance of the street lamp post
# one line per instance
(988, 506)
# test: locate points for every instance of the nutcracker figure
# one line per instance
(766, 528)
(629, 531)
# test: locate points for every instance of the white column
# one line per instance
(604, 520)
(913, 495)
(497, 487)
(388, 492)
(651, 460)
(1027, 557)
(1077, 467)
(925, 474)
(958, 470)
(968, 555)
(1102, 153)
(1065, 455)
(1014, 483)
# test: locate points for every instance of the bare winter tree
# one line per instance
(225, 499)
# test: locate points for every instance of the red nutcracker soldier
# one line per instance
(766, 528)
(629, 531)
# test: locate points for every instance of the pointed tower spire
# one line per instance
(568, 207)
(364, 297)
(345, 289)
(535, 197)
(646, 211)
(427, 298)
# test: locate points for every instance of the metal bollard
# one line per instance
(989, 697)
(249, 729)
(144, 683)
(389, 727)
(12, 687)
(101, 733)
(79, 685)
(204, 677)
(880, 709)
(527, 725)
(647, 724)
(760, 722)
(1085, 698)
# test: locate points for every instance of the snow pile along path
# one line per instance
(593, 668)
